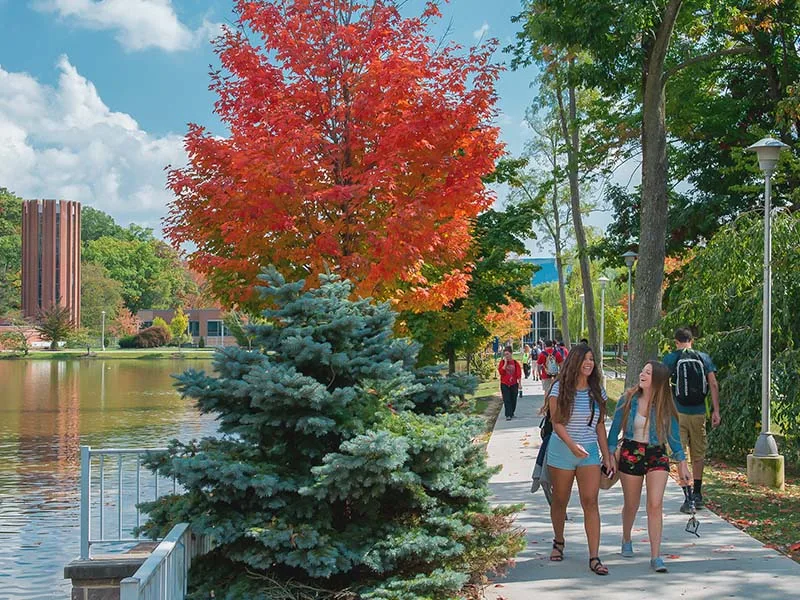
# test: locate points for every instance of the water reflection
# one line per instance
(47, 410)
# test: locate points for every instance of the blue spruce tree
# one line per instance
(341, 470)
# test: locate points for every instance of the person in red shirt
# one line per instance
(510, 375)
(549, 362)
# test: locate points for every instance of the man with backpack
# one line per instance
(549, 363)
(693, 377)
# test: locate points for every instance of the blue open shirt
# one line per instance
(673, 435)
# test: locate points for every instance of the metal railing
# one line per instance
(164, 575)
(127, 488)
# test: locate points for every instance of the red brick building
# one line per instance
(51, 257)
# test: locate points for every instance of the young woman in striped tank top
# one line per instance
(577, 404)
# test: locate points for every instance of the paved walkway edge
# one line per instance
(723, 562)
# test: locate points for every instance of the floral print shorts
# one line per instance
(638, 458)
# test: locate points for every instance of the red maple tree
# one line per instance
(355, 146)
(511, 321)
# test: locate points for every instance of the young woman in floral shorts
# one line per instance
(648, 420)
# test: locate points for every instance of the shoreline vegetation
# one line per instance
(116, 354)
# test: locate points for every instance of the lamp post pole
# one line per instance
(603, 282)
(765, 465)
(103, 331)
(583, 312)
(630, 257)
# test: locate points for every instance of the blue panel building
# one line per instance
(547, 272)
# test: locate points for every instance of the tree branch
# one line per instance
(709, 56)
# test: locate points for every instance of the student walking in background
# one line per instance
(535, 351)
(526, 360)
(510, 376)
(693, 377)
(647, 418)
(549, 364)
(577, 404)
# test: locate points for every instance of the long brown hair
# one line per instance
(568, 383)
(662, 401)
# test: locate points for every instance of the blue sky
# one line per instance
(95, 95)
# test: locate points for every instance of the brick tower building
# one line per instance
(51, 256)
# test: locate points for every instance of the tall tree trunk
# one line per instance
(646, 308)
(451, 360)
(562, 292)
(569, 128)
(562, 287)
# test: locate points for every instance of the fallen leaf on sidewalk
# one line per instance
(771, 546)
(673, 556)
(727, 548)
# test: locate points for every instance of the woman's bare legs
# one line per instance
(562, 488)
(632, 492)
(588, 489)
(656, 484)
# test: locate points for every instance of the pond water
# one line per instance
(47, 410)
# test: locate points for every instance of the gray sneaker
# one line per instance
(686, 508)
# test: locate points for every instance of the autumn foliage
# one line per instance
(356, 145)
(512, 321)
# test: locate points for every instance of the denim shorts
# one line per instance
(561, 457)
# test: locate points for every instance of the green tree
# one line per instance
(55, 325)
(96, 224)
(719, 295)
(10, 251)
(179, 326)
(162, 324)
(628, 48)
(495, 281)
(99, 293)
(150, 272)
(340, 466)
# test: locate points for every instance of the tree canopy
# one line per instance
(356, 148)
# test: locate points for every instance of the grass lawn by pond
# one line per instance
(149, 354)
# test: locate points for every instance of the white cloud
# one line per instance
(482, 31)
(139, 24)
(64, 142)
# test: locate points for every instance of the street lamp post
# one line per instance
(765, 465)
(603, 282)
(630, 257)
(583, 312)
(103, 331)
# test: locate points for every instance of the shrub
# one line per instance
(127, 341)
(202, 342)
(719, 295)
(153, 337)
(159, 322)
(340, 471)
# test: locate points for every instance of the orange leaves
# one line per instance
(352, 148)
(511, 321)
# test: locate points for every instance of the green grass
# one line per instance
(154, 354)
(614, 389)
(487, 404)
(767, 515)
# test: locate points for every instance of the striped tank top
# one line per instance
(578, 427)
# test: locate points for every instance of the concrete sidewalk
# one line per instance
(723, 562)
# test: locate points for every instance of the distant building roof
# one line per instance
(547, 272)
